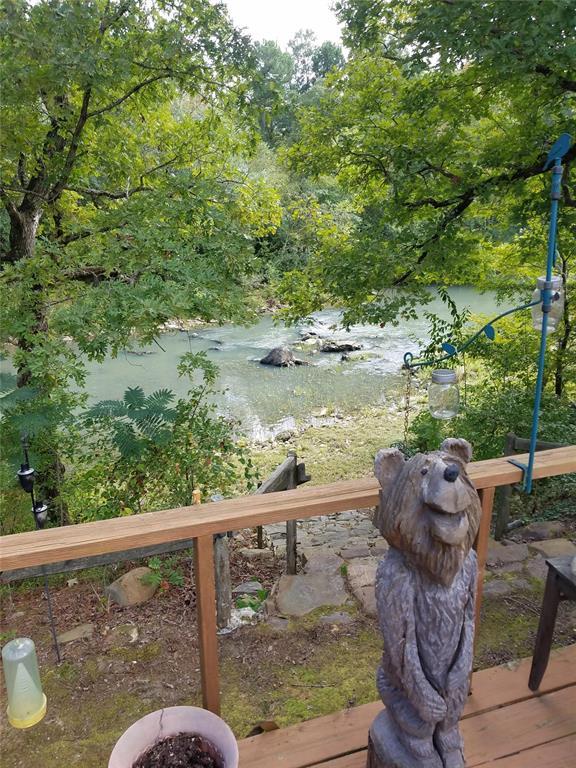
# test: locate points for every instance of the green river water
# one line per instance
(269, 400)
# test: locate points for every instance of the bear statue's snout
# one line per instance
(451, 473)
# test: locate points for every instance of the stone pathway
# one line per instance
(343, 550)
(339, 555)
(513, 566)
(341, 530)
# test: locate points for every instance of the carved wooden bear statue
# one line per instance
(425, 587)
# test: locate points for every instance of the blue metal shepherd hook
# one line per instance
(547, 297)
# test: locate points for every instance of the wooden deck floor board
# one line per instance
(556, 754)
(530, 721)
(522, 726)
(560, 753)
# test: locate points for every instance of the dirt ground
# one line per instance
(144, 658)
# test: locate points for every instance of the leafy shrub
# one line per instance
(151, 451)
(164, 573)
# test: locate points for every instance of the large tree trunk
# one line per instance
(23, 232)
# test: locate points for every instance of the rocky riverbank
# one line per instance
(334, 445)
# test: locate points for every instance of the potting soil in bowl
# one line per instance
(182, 751)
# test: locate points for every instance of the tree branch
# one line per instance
(22, 169)
(75, 236)
(109, 21)
(466, 201)
(90, 274)
(10, 206)
(23, 191)
(58, 187)
(95, 275)
(468, 197)
(565, 82)
(120, 195)
(193, 71)
(453, 177)
(126, 193)
(131, 92)
(432, 202)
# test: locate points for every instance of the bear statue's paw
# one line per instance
(454, 759)
(389, 747)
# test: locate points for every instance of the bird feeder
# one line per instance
(555, 305)
(26, 700)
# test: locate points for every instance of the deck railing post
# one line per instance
(503, 494)
(291, 526)
(481, 545)
(206, 617)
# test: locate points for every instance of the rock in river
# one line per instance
(281, 357)
(339, 346)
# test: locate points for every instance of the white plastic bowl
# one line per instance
(172, 721)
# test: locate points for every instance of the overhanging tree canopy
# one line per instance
(126, 197)
(121, 170)
(440, 125)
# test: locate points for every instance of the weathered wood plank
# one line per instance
(355, 760)
(522, 726)
(560, 753)
(481, 544)
(504, 494)
(346, 732)
(280, 478)
(494, 472)
(67, 566)
(206, 612)
(513, 444)
(291, 527)
(522, 444)
(223, 581)
(535, 729)
(556, 754)
(53, 545)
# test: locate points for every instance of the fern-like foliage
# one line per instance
(137, 421)
(13, 397)
(159, 399)
(134, 397)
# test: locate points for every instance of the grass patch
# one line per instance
(143, 653)
(339, 673)
(73, 733)
(310, 620)
(506, 633)
(343, 450)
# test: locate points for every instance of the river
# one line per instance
(268, 400)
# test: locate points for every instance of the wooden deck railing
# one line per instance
(201, 522)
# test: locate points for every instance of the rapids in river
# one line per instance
(269, 400)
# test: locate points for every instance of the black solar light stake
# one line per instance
(26, 476)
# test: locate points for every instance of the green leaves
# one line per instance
(164, 573)
(134, 398)
(437, 128)
(138, 422)
(126, 200)
(150, 451)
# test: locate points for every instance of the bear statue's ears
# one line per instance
(458, 447)
(387, 464)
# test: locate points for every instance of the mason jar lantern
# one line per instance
(556, 306)
(443, 394)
